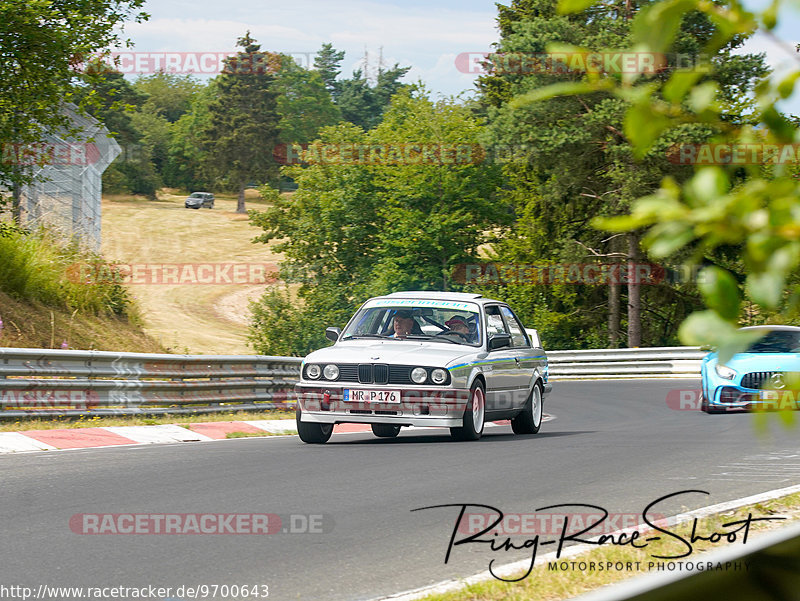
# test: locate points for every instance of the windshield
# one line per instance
(418, 319)
(777, 341)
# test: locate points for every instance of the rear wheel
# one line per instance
(385, 430)
(473, 415)
(530, 420)
(313, 433)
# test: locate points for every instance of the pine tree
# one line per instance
(327, 64)
(243, 127)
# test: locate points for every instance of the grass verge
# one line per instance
(251, 434)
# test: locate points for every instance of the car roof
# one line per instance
(436, 295)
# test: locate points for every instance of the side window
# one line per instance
(494, 322)
(518, 337)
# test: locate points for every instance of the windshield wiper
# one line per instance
(353, 336)
(429, 337)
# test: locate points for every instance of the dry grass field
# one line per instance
(188, 317)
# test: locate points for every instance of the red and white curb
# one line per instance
(84, 438)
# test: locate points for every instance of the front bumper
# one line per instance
(433, 407)
(733, 398)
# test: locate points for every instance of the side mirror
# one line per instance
(333, 333)
(499, 341)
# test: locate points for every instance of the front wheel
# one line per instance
(473, 415)
(313, 433)
(385, 430)
(530, 420)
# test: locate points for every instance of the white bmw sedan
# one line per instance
(440, 359)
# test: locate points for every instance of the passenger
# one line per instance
(458, 325)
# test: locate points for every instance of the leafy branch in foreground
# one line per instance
(745, 189)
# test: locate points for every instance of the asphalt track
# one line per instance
(615, 444)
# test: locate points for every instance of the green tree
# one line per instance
(570, 158)
(185, 161)
(748, 206)
(304, 104)
(363, 104)
(169, 95)
(327, 63)
(356, 228)
(42, 46)
(436, 213)
(243, 125)
(115, 103)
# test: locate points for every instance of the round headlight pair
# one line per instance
(331, 372)
(419, 375)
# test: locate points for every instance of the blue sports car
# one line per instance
(760, 377)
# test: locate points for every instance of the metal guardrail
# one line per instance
(655, 362)
(71, 383)
(45, 382)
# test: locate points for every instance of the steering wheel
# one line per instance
(448, 332)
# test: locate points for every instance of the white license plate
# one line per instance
(371, 396)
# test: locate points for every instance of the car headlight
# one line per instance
(419, 375)
(438, 376)
(723, 371)
(331, 372)
(313, 371)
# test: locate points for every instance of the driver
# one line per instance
(403, 324)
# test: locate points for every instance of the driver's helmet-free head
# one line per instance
(455, 321)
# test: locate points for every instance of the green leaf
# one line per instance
(679, 83)
(666, 238)
(708, 184)
(786, 85)
(568, 7)
(766, 288)
(720, 292)
(770, 15)
(658, 24)
(559, 89)
(643, 126)
(706, 328)
(701, 97)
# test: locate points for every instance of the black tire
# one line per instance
(385, 430)
(530, 419)
(313, 433)
(474, 415)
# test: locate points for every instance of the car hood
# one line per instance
(747, 362)
(424, 353)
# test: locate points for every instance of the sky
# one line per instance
(426, 35)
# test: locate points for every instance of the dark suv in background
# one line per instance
(199, 199)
